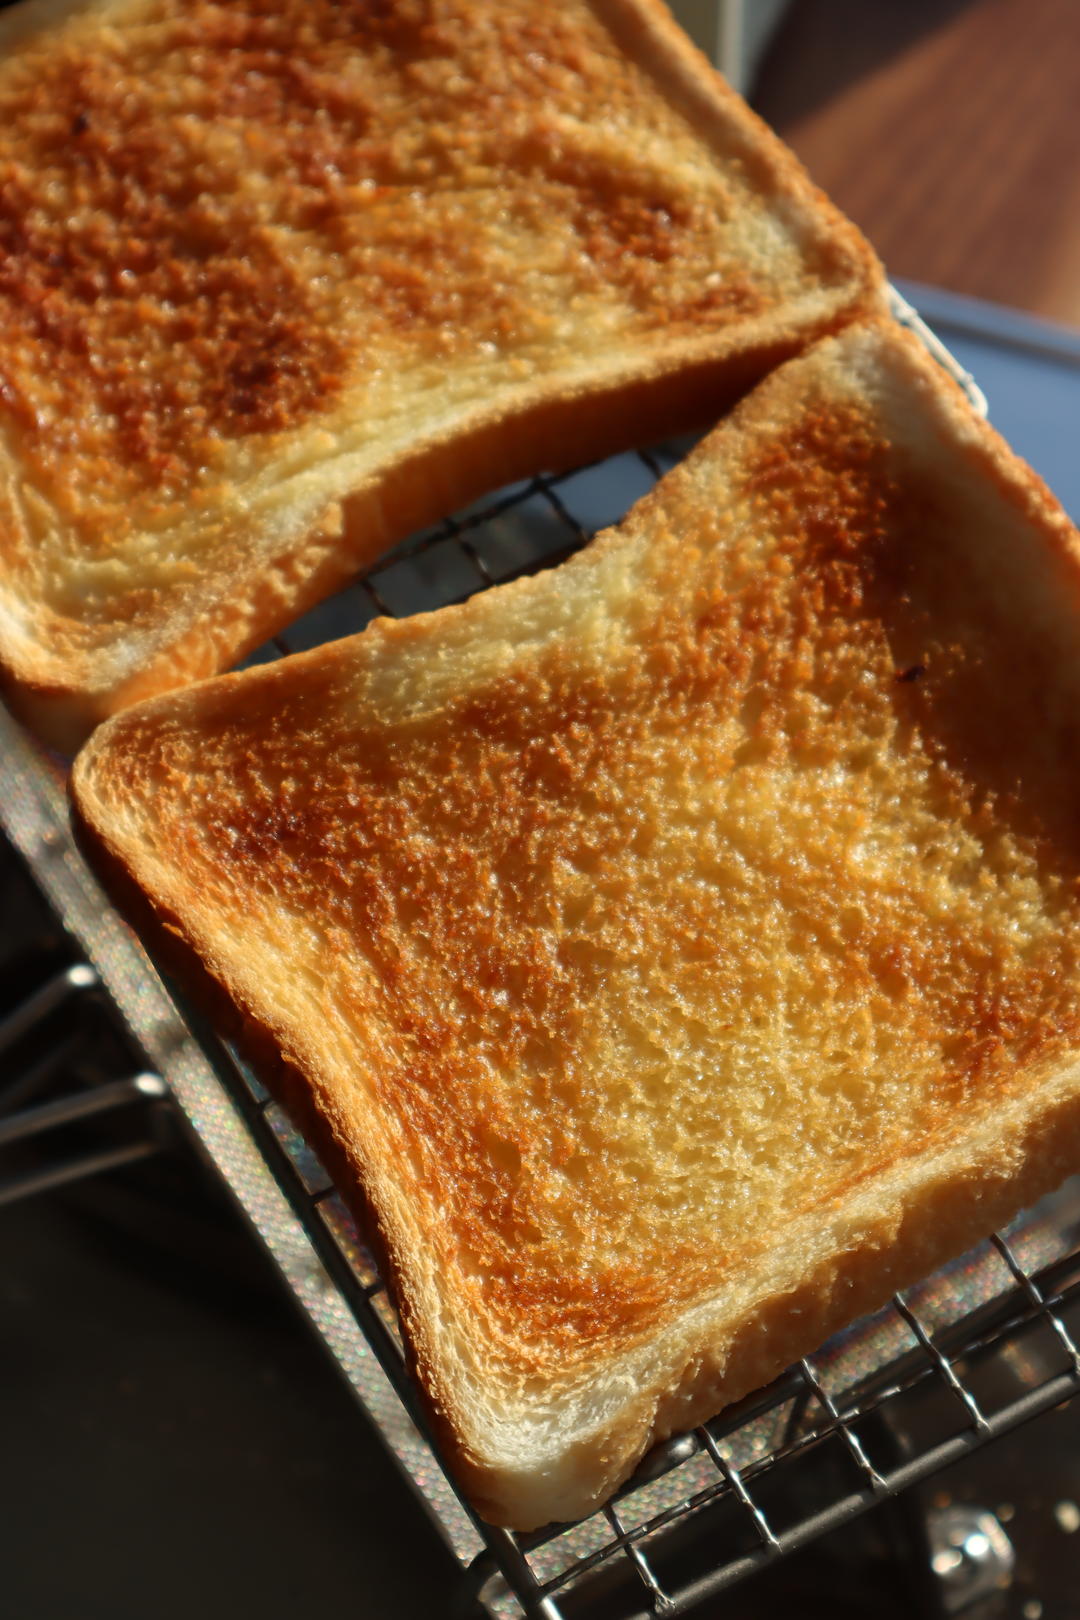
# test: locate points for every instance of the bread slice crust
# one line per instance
(280, 283)
(679, 948)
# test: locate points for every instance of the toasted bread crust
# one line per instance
(267, 270)
(427, 481)
(683, 945)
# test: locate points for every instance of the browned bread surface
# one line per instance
(281, 281)
(679, 947)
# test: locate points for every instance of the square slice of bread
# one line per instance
(675, 953)
(281, 282)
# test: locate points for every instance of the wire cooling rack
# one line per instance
(986, 1344)
(836, 1434)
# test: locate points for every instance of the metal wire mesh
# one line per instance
(964, 1357)
(890, 1401)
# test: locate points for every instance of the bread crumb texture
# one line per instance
(658, 933)
(222, 223)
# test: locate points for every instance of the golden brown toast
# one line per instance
(677, 950)
(281, 282)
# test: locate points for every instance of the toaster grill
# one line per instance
(977, 1350)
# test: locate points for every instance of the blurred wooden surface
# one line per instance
(949, 130)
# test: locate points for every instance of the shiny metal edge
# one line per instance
(992, 323)
(906, 315)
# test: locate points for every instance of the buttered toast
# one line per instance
(280, 283)
(675, 953)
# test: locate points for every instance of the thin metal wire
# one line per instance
(659, 1521)
(943, 1365)
(25, 1081)
(565, 516)
(661, 1602)
(903, 312)
(368, 585)
(451, 529)
(78, 1169)
(1034, 1294)
(81, 1105)
(45, 1000)
(535, 1599)
(477, 560)
(734, 1479)
(850, 1438)
(798, 1411)
(478, 518)
(369, 1291)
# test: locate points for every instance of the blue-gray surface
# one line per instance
(1029, 371)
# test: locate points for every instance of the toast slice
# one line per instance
(676, 952)
(280, 283)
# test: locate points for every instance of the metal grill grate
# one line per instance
(895, 1399)
(965, 1357)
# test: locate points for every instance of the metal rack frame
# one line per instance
(734, 1484)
